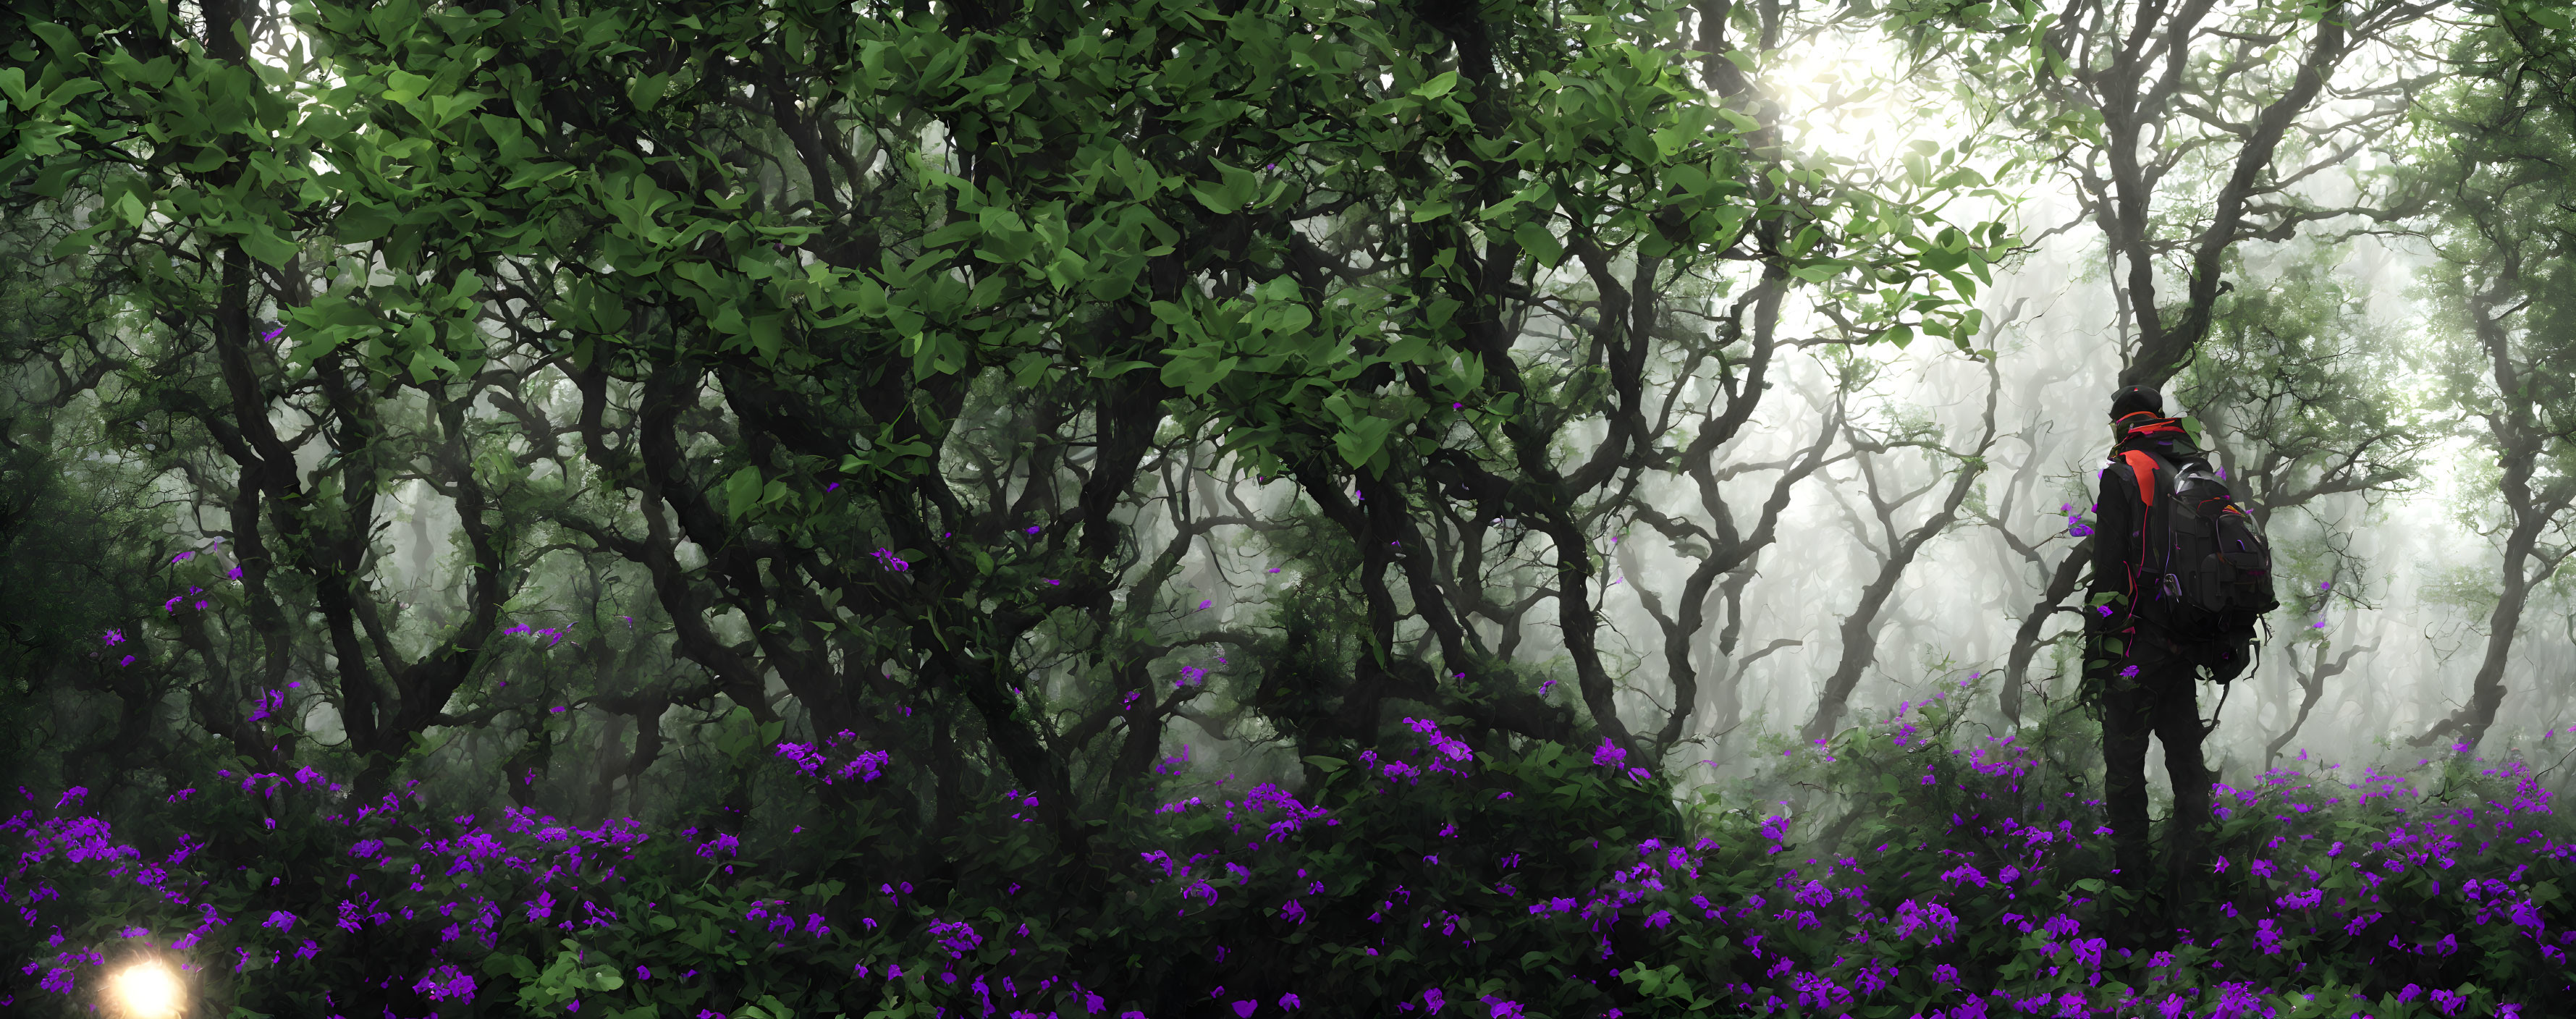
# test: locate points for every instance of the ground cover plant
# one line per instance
(1420, 878)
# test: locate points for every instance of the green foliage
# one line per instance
(2486, 143)
(837, 220)
(2468, 589)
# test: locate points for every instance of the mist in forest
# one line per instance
(1951, 624)
(2392, 586)
(2390, 590)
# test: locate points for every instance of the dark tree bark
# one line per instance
(2519, 438)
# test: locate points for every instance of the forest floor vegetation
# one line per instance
(1960, 877)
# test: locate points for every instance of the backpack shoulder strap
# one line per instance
(2142, 465)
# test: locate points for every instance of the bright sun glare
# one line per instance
(1890, 109)
(146, 990)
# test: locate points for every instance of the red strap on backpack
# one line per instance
(2144, 467)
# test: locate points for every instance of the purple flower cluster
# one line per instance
(2076, 525)
(1442, 744)
(446, 983)
(1850, 933)
(173, 604)
(812, 761)
(114, 637)
(86, 841)
(552, 635)
(957, 936)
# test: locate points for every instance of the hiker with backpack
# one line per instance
(2180, 576)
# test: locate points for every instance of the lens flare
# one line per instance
(146, 990)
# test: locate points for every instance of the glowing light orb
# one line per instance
(147, 990)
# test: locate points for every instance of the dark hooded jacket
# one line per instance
(2120, 510)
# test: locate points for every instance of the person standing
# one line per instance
(2138, 677)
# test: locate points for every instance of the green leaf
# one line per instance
(264, 244)
(1241, 185)
(1233, 189)
(1327, 765)
(646, 92)
(535, 173)
(951, 234)
(60, 37)
(1005, 238)
(608, 312)
(1533, 237)
(766, 335)
(361, 222)
(1361, 440)
(1437, 315)
(76, 242)
(429, 363)
(1196, 374)
(404, 86)
(1438, 86)
(130, 207)
(207, 161)
(742, 492)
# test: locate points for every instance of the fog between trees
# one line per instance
(2268, 250)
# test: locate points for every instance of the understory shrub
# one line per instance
(1959, 879)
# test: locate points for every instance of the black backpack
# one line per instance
(2206, 570)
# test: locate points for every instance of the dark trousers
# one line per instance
(2161, 699)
